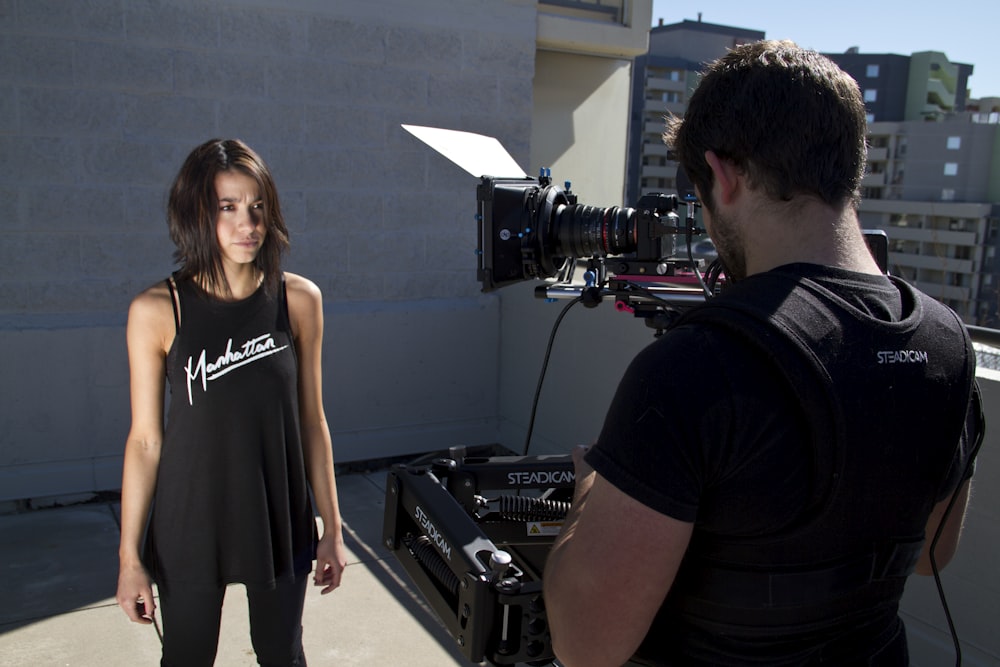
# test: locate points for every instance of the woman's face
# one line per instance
(239, 227)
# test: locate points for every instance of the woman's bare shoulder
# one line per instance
(154, 297)
(152, 310)
(305, 305)
(301, 286)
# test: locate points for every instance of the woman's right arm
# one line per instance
(149, 333)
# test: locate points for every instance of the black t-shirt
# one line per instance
(706, 429)
(685, 437)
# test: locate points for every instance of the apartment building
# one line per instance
(929, 187)
(921, 86)
(933, 178)
(662, 80)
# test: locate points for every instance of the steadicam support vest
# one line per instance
(871, 392)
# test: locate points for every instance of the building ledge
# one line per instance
(598, 38)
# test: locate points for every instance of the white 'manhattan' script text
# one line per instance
(252, 350)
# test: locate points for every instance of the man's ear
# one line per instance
(727, 177)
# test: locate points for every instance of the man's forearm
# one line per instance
(562, 585)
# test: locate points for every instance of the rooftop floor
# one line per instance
(59, 570)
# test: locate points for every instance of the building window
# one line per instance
(870, 117)
(948, 194)
(954, 143)
(871, 95)
(951, 169)
(872, 72)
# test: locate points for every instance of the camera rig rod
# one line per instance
(658, 304)
(626, 294)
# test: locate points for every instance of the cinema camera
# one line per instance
(533, 229)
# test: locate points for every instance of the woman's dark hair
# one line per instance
(193, 209)
(791, 119)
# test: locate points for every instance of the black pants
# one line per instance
(191, 624)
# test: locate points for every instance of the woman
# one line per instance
(225, 485)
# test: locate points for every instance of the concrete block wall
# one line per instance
(100, 101)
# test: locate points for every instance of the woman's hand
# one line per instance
(135, 594)
(331, 559)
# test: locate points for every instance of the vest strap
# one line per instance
(749, 590)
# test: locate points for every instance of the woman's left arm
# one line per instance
(305, 310)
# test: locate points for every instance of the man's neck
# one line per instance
(815, 233)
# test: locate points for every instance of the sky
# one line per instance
(966, 32)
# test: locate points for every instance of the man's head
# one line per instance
(788, 118)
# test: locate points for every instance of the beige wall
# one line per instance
(579, 127)
(578, 130)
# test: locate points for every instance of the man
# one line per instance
(769, 469)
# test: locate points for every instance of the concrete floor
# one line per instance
(59, 568)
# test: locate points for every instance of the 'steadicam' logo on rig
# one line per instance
(431, 531)
(541, 477)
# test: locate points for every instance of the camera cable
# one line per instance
(694, 265)
(935, 570)
(545, 364)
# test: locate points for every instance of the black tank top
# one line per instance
(232, 502)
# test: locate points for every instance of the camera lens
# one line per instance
(590, 231)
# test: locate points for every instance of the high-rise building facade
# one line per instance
(933, 176)
(662, 80)
(921, 86)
